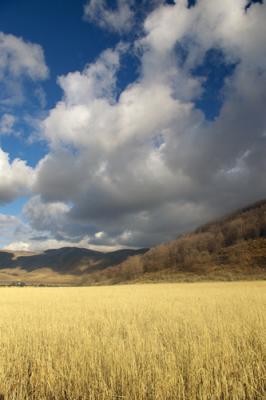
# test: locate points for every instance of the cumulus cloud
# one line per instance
(18, 57)
(143, 165)
(119, 19)
(19, 60)
(16, 178)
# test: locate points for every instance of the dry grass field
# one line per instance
(163, 342)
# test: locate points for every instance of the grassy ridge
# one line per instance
(198, 341)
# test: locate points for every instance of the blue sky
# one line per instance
(68, 43)
(123, 123)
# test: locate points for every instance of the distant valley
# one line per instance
(64, 265)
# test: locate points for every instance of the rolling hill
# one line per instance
(64, 265)
(233, 247)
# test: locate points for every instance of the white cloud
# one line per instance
(119, 19)
(16, 178)
(86, 94)
(18, 246)
(18, 58)
(97, 79)
(39, 246)
(7, 122)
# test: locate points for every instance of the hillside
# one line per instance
(233, 247)
(65, 265)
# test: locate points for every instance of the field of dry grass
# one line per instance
(38, 276)
(154, 342)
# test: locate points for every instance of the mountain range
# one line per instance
(233, 247)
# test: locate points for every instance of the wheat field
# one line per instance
(135, 342)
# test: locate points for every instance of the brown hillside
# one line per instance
(233, 247)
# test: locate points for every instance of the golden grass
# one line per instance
(37, 276)
(135, 342)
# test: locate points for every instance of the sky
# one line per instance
(127, 123)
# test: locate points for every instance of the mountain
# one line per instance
(233, 247)
(64, 265)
